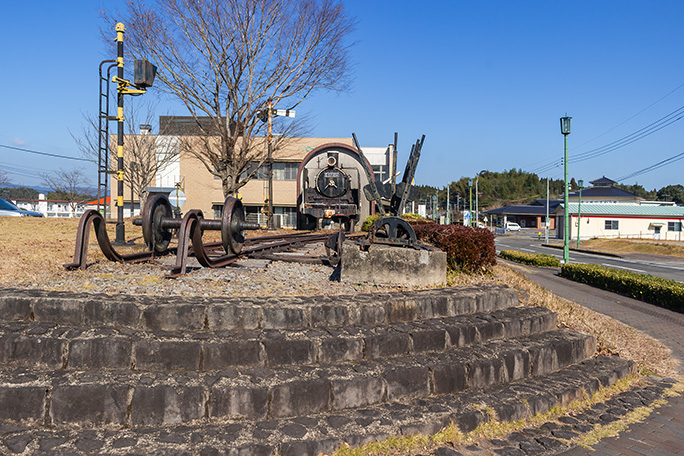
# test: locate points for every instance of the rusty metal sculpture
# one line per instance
(392, 229)
(158, 228)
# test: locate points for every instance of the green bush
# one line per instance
(365, 226)
(411, 218)
(534, 259)
(654, 290)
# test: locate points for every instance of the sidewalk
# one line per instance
(662, 433)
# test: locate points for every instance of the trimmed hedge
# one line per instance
(533, 259)
(468, 249)
(654, 290)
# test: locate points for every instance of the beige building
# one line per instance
(203, 191)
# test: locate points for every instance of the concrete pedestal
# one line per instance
(387, 265)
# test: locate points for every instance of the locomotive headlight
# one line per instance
(332, 160)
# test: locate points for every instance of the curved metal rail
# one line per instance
(190, 243)
(93, 218)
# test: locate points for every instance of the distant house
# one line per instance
(603, 191)
(52, 208)
(609, 212)
(526, 215)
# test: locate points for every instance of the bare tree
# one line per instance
(225, 59)
(145, 154)
(69, 185)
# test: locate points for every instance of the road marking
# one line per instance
(623, 267)
(527, 250)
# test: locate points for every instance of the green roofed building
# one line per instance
(645, 221)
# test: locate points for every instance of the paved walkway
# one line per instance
(662, 433)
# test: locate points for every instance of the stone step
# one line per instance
(49, 346)
(314, 434)
(92, 398)
(177, 314)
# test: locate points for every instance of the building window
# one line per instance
(612, 224)
(674, 226)
(283, 171)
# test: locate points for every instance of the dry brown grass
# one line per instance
(612, 336)
(667, 248)
(32, 250)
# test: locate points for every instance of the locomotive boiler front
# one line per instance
(330, 189)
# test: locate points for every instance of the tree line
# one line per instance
(498, 189)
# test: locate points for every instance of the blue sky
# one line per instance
(485, 81)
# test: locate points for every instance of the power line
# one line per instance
(66, 157)
(642, 133)
(648, 169)
(632, 117)
(648, 130)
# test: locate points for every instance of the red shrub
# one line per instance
(468, 249)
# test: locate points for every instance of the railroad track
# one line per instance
(158, 229)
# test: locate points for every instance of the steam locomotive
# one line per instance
(330, 180)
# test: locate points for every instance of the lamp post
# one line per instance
(579, 211)
(565, 131)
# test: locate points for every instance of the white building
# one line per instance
(53, 208)
(643, 221)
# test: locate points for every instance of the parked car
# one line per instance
(10, 210)
(512, 226)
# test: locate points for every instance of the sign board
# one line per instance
(177, 197)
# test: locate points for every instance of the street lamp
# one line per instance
(579, 211)
(565, 131)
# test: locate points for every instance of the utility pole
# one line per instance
(546, 229)
(448, 217)
(477, 201)
(458, 203)
(270, 165)
(470, 209)
(579, 212)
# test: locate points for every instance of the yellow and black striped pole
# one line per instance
(120, 228)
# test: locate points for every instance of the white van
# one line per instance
(512, 226)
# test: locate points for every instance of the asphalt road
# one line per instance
(527, 240)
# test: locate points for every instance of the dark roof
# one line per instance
(542, 202)
(603, 182)
(188, 125)
(521, 210)
(605, 192)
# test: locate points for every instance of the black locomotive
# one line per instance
(329, 183)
